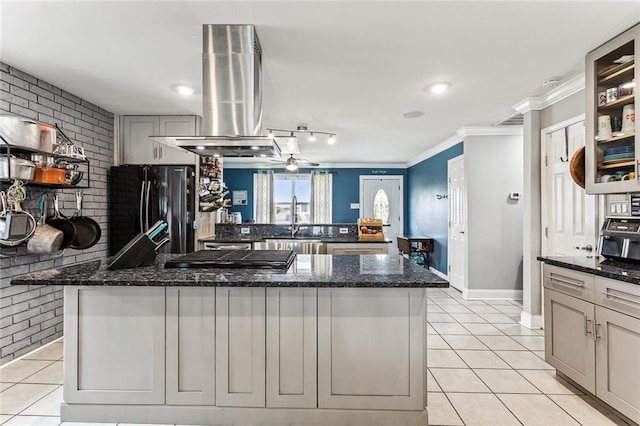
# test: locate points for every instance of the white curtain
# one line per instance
(321, 190)
(263, 196)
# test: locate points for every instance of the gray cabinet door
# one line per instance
(137, 147)
(618, 361)
(176, 125)
(371, 348)
(569, 343)
(240, 347)
(357, 248)
(291, 347)
(114, 350)
(190, 363)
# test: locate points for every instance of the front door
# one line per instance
(570, 223)
(381, 198)
(456, 252)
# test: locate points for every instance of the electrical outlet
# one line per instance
(245, 230)
(344, 230)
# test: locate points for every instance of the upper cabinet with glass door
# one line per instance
(612, 154)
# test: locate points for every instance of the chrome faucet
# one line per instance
(294, 216)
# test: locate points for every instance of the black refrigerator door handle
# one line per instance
(142, 206)
(147, 206)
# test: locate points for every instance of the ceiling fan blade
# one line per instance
(278, 161)
(306, 162)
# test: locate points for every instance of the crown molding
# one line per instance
(528, 104)
(453, 140)
(465, 131)
(571, 87)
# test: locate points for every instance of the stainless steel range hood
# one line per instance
(232, 96)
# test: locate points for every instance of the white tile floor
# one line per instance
(484, 369)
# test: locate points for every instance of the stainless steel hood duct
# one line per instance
(232, 96)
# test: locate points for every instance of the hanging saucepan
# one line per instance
(46, 239)
(63, 224)
(88, 231)
(17, 225)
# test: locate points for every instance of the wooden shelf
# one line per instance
(618, 138)
(617, 104)
(616, 72)
(621, 164)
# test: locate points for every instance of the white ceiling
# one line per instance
(350, 67)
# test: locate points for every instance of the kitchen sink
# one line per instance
(300, 246)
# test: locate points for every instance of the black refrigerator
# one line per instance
(139, 196)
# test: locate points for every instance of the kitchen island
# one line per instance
(334, 340)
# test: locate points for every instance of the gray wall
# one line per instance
(32, 316)
(493, 169)
(563, 110)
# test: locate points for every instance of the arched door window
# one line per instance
(381, 206)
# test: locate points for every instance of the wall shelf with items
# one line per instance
(42, 160)
(211, 187)
(612, 155)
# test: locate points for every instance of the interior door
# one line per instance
(570, 214)
(381, 198)
(456, 252)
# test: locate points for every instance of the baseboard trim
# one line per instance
(13, 361)
(533, 322)
(214, 416)
(438, 273)
(472, 294)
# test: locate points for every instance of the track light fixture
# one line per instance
(303, 130)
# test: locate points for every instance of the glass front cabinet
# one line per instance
(612, 154)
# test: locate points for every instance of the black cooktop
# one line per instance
(263, 259)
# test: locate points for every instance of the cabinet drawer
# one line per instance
(569, 282)
(618, 296)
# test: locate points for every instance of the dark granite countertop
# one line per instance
(596, 265)
(377, 271)
(347, 239)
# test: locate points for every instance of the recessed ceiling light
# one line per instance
(413, 114)
(200, 147)
(184, 90)
(255, 148)
(439, 88)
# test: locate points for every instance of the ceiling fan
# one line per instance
(292, 163)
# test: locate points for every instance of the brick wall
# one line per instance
(32, 316)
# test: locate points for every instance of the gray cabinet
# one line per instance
(139, 148)
(569, 343)
(291, 347)
(384, 329)
(611, 98)
(357, 248)
(114, 350)
(190, 357)
(592, 335)
(240, 346)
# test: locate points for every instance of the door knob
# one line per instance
(587, 248)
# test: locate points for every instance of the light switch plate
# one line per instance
(245, 230)
(344, 230)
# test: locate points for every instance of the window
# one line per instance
(285, 187)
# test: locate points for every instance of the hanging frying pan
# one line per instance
(65, 225)
(88, 231)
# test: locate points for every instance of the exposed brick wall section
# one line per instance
(32, 316)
